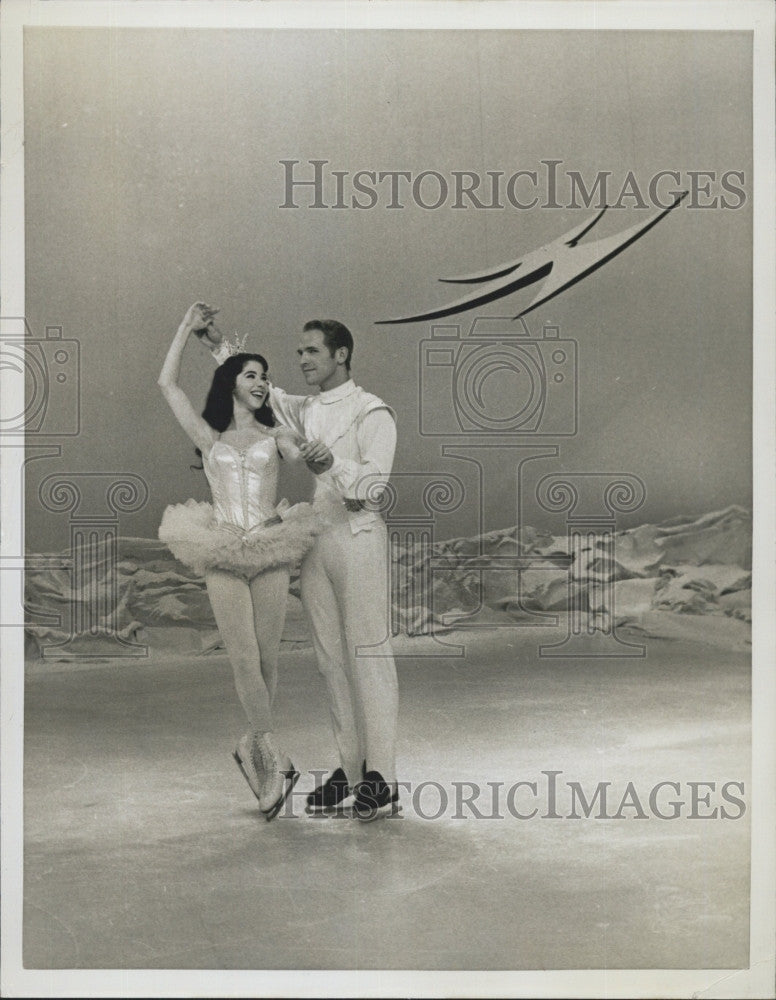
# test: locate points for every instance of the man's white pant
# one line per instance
(345, 586)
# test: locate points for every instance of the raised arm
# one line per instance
(198, 317)
(288, 409)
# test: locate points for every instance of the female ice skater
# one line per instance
(242, 543)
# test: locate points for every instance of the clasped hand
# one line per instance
(200, 320)
(317, 456)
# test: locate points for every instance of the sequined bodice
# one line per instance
(243, 481)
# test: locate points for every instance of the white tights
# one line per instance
(250, 619)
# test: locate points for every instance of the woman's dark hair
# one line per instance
(219, 405)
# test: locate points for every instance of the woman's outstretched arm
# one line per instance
(198, 317)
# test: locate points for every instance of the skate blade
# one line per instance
(381, 812)
(344, 808)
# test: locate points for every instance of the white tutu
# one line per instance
(193, 535)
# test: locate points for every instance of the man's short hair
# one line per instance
(335, 335)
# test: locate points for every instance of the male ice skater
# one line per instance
(350, 439)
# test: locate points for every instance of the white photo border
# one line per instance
(756, 16)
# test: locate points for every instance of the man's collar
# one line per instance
(338, 393)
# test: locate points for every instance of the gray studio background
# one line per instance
(153, 179)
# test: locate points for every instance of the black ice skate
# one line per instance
(375, 798)
(331, 795)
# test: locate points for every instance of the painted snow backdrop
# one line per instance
(659, 572)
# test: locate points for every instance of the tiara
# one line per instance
(228, 348)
